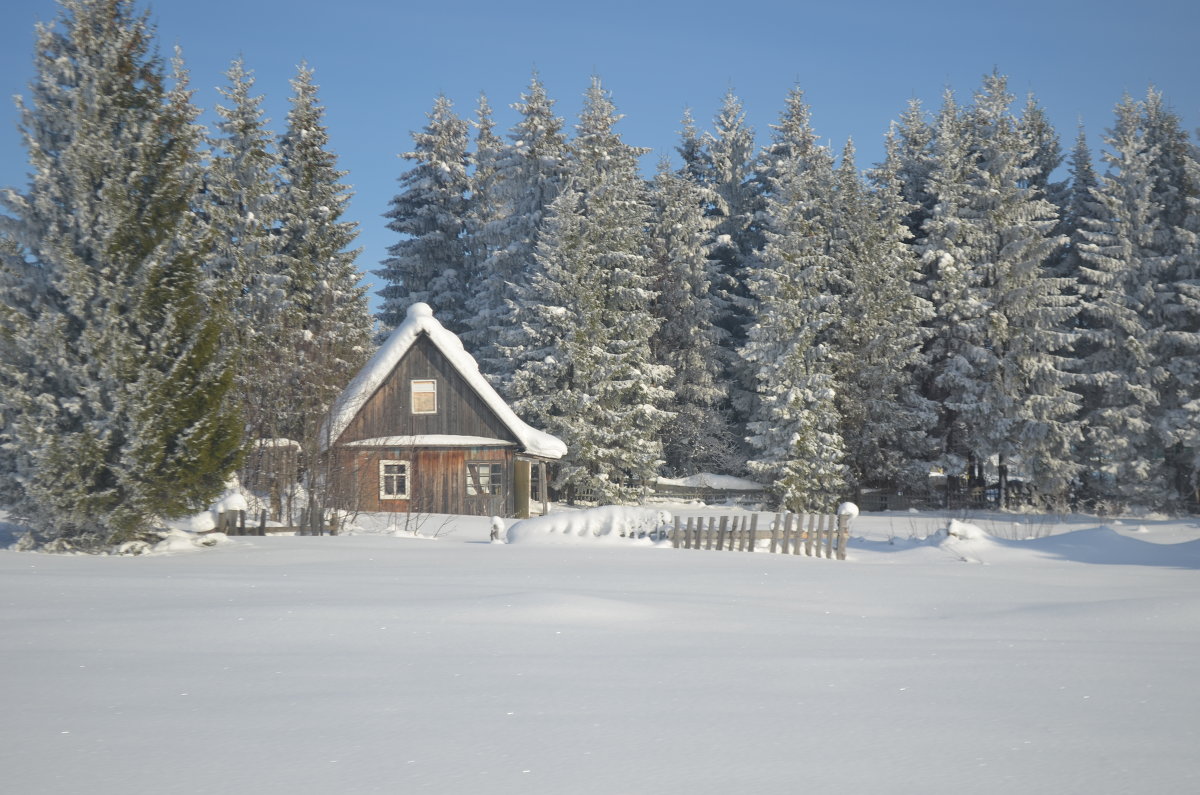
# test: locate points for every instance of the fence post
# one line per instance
(808, 537)
(776, 526)
(843, 521)
(262, 522)
(721, 533)
(753, 541)
(675, 534)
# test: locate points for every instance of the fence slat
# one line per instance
(776, 526)
(843, 522)
(753, 533)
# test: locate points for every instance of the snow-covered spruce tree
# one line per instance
(528, 175)
(910, 145)
(1175, 193)
(1123, 454)
(429, 262)
(697, 165)
(885, 421)
(1079, 204)
(484, 210)
(125, 417)
(794, 432)
(593, 274)
(698, 437)
(21, 285)
(240, 206)
(735, 236)
(328, 326)
(996, 363)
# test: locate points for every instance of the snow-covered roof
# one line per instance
(420, 320)
(430, 440)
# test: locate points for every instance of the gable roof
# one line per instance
(420, 320)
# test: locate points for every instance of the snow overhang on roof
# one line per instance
(420, 320)
(430, 440)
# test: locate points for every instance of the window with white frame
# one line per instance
(393, 480)
(424, 396)
(484, 479)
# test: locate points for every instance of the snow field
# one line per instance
(386, 663)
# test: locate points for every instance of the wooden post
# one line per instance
(709, 532)
(829, 531)
(808, 537)
(675, 534)
(843, 521)
(262, 522)
(721, 533)
(241, 523)
(521, 485)
(753, 532)
(776, 526)
(789, 534)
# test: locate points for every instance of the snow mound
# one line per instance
(848, 509)
(1097, 545)
(707, 480)
(173, 541)
(609, 524)
(965, 531)
(198, 523)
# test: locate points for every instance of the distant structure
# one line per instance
(420, 429)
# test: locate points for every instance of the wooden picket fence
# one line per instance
(815, 535)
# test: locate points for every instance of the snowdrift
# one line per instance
(610, 524)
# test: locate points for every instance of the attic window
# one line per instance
(393, 480)
(424, 397)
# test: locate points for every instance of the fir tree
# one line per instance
(429, 263)
(485, 209)
(1124, 454)
(528, 176)
(995, 358)
(328, 326)
(594, 277)
(688, 340)
(885, 421)
(1175, 192)
(123, 416)
(794, 432)
(246, 271)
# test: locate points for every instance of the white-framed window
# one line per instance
(484, 479)
(424, 396)
(394, 480)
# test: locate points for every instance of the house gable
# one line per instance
(377, 404)
(460, 411)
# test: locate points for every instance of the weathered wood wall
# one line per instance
(460, 411)
(438, 480)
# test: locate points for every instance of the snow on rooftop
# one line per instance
(430, 440)
(420, 320)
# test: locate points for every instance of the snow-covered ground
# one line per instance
(389, 663)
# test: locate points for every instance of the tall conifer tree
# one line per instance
(123, 416)
(429, 263)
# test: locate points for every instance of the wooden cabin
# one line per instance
(420, 429)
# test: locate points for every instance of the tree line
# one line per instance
(777, 311)
(170, 294)
(175, 298)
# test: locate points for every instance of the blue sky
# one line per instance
(380, 65)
